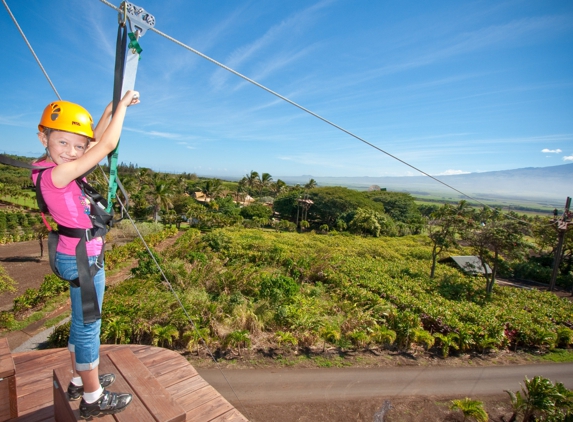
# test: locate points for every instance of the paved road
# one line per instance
(315, 385)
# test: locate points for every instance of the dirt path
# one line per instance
(23, 263)
(416, 393)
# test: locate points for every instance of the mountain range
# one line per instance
(547, 185)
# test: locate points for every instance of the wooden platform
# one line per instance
(201, 402)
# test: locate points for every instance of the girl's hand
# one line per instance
(130, 98)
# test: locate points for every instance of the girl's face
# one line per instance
(64, 147)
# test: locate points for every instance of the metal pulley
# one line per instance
(139, 20)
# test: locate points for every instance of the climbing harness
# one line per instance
(101, 223)
(127, 58)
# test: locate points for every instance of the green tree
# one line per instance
(401, 207)
(449, 341)
(256, 211)
(332, 203)
(311, 184)
(163, 335)
(278, 187)
(212, 188)
(367, 221)
(540, 398)
(495, 236)
(443, 228)
(238, 339)
(160, 193)
(264, 182)
(252, 181)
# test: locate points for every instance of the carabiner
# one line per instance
(122, 19)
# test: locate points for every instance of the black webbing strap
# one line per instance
(4, 159)
(86, 273)
(112, 157)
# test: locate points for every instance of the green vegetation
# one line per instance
(471, 409)
(296, 291)
(332, 267)
(541, 399)
(7, 284)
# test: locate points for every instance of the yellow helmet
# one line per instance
(67, 117)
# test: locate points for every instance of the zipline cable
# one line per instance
(124, 209)
(312, 113)
(31, 49)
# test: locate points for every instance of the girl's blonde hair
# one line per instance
(47, 131)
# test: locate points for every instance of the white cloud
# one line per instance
(277, 32)
(452, 173)
(568, 158)
(551, 151)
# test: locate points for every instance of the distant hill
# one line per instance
(546, 184)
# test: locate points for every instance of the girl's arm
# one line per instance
(102, 124)
(64, 173)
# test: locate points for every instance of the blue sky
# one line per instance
(450, 87)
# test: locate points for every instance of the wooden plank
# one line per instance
(180, 376)
(198, 398)
(158, 356)
(8, 393)
(31, 385)
(22, 357)
(231, 416)
(4, 401)
(7, 368)
(63, 412)
(136, 410)
(45, 396)
(151, 392)
(42, 414)
(210, 410)
(45, 362)
(170, 365)
(188, 387)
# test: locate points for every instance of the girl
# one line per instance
(72, 149)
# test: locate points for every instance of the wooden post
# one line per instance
(8, 396)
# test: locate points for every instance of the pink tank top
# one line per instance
(69, 207)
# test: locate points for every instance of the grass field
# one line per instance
(29, 200)
(519, 206)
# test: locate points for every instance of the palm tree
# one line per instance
(311, 184)
(160, 191)
(471, 409)
(238, 338)
(331, 334)
(211, 188)
(252, 180)
(540, 398)
(449, 340)
(241, 187)
(264, 181)
(278, 187)
(118, 329)
(164, 334)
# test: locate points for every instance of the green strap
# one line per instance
(134, 44)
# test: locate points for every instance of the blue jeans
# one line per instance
(84, 338)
